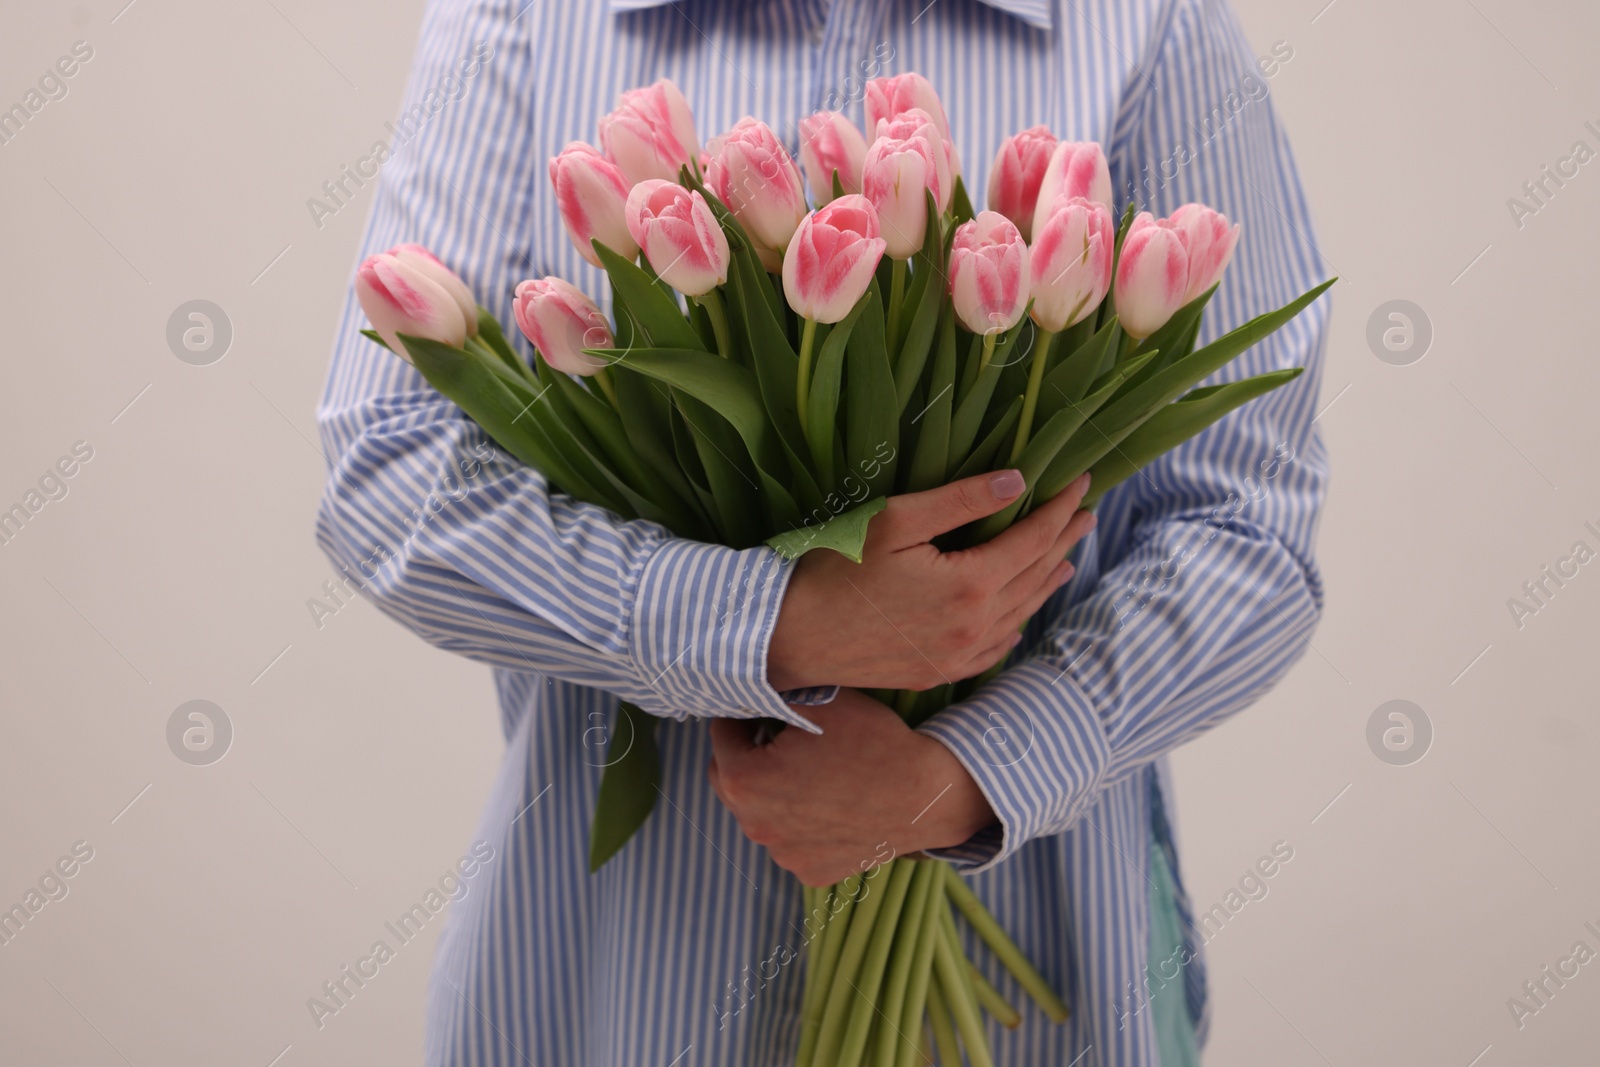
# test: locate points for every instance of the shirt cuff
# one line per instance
(811, 696)
(1033, 742)
(703, 618)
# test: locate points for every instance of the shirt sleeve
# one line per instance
(1206, 590)
(445, 532)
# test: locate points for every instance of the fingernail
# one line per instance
(1094, 520)
(1007, 485)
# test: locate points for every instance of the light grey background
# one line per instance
(179, 565)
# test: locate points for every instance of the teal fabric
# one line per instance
(1175, 1035)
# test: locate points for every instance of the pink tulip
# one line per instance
(1152, 275)
(400, 299)
(889, 98)
(752, 173)
(651, 133)
(1076, 168)
(1017, 173)
(906, 158)
(591, 193)
(1070, 263)
(1210, 241)
(679, 235)
(989, 273)
(424, 261)
(830, 142)
(832, 258)
(561, 322)
(918, 123)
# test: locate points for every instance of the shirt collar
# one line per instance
(1036, 13)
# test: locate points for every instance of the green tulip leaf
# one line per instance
(845, 533)
(651, 308)
(510, 412)
(930, 460)
(823, 399)
(872, 421)
(1175, 424)
(628, 784)
(982, 457)
(491, 335)
(926, 293)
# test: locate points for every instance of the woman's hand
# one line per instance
(867, 789)
(911, 617)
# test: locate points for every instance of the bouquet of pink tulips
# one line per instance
(771, 373)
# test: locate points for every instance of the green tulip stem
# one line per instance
(944, 1033)
(712, 302)
(1003, 947)
(925, 878)
(897, 296)
(802, 386)
(869, 984)
(991, 999)
(988, 349)
(914, 1007)
(823, 953)
(905, 703)
(1030, 399)
(841, 988)
(602, 378)
(956, 986)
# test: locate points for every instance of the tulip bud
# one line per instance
(904, 160)
(1210, 242)
(832, 258)
(591, 193)
(1070, 263)
(399, 298)
(830, 142)
(918, 123)
(1152, 275)
(561, 322)
(679, 235)
(651, 133)
(989, 273)
(420, 259)
(1076, 168)
(889, 98)
(1017, 173)
(752, 173)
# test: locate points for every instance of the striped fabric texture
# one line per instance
(1193, 597)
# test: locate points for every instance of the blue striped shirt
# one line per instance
(1193, 597)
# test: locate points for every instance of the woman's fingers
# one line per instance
(1013, 551)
